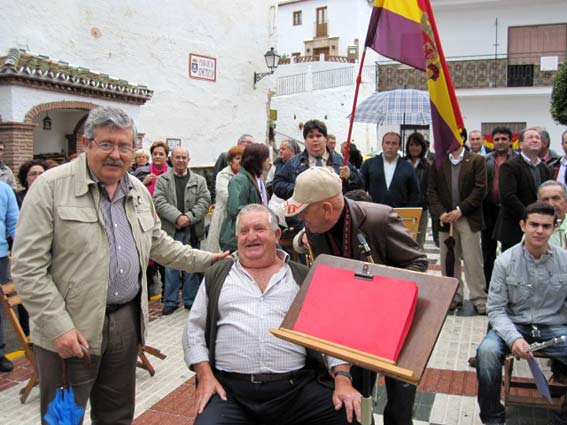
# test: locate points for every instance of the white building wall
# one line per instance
(469, 29)
(149, 42)
(22, 99)
(347, 19)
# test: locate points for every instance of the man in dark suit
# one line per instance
(456, 191)
(518, 182)
(388, 178)
(502, 139)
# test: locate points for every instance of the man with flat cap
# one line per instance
(333, 224)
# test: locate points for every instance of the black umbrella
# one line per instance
(450, 257)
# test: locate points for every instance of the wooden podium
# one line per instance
(434, 298)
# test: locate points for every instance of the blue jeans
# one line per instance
(172, 282)
(490, 357)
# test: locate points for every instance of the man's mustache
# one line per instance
(113, 162)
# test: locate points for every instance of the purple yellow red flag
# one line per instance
(405, 31)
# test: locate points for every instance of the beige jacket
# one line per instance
(61, 259)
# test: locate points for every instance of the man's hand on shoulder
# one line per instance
(345, 395)
(208, 386)
(71, 344)
(217, 256)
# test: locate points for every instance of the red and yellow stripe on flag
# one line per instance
(405, 31)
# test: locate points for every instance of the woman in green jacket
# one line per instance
(247, 187)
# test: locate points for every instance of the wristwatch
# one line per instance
(344, 373)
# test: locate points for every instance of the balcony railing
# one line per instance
(474, 72)
(324, 79)
(291, 84)
(317, 58)
(332, 78)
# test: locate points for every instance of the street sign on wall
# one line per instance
(202, 67)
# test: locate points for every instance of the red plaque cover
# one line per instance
(370, 315)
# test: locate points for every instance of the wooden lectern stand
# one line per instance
(434, 298)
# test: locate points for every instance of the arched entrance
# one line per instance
(61, 136)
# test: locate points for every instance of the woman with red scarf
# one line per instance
(149, 173)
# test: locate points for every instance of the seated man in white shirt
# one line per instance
(245, 375)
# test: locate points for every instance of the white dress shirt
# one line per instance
(389, 169)
(244, 343)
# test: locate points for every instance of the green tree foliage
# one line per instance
(559, 96)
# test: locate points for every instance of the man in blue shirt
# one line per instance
(526, 304)
(8, 219)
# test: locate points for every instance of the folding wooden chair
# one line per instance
(144, 363)
(10, 302)
(509, 382)
(411, 218)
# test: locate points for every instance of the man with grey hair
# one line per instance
(333, 224)
(85, 235)
(554, 193)
(245, 374)
(477, 144)
(182, 200)
(244, 140)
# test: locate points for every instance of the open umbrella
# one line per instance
(63, 410)
(450, 257)
(402, 106)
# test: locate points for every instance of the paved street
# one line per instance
(446, 394)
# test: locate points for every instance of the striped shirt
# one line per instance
(124, 265)
(244, 343)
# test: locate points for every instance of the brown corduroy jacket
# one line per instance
(472, 190)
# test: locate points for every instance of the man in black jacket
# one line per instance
(519, 180)
(388, 178)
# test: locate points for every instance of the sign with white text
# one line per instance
(202, 67)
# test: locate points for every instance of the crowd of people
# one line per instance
(93, 237)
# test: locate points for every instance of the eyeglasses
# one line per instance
(109, 147)
(34, 173)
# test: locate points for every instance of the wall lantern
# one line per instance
(272, 62)
(47, 123)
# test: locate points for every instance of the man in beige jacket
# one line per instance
(84, 239)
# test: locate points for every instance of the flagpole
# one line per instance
(358, 81)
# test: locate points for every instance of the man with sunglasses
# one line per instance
(526, 304)
(85, 234)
